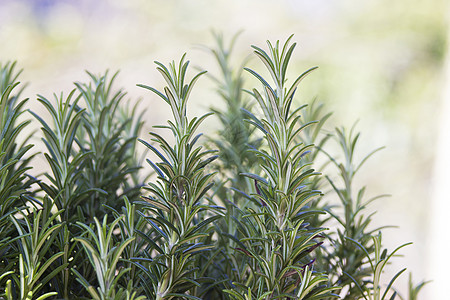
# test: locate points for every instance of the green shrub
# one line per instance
(238, 215)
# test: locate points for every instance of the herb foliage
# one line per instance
(237, 215)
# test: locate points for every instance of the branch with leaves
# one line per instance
(277, 238)
(175, 207)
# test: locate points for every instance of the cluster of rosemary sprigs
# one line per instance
(239, 215)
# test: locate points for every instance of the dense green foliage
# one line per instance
(239, 215)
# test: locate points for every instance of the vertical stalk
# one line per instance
(175, 207)
(279, 240)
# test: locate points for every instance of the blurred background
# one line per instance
(380, 62)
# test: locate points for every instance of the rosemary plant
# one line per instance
(235, 135)
(277, 236)
(61, 191)
(131, 225)
(14, 156)
(314, 135)
(104, 135)
(372, 290)
(14, 163)
(35, 242)
(249, 225)
(66, 168)
(414, 289)
(14, 151)
(355, 257)
(104, 256)
(175, 207)
(90, 158)
(233, 140)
